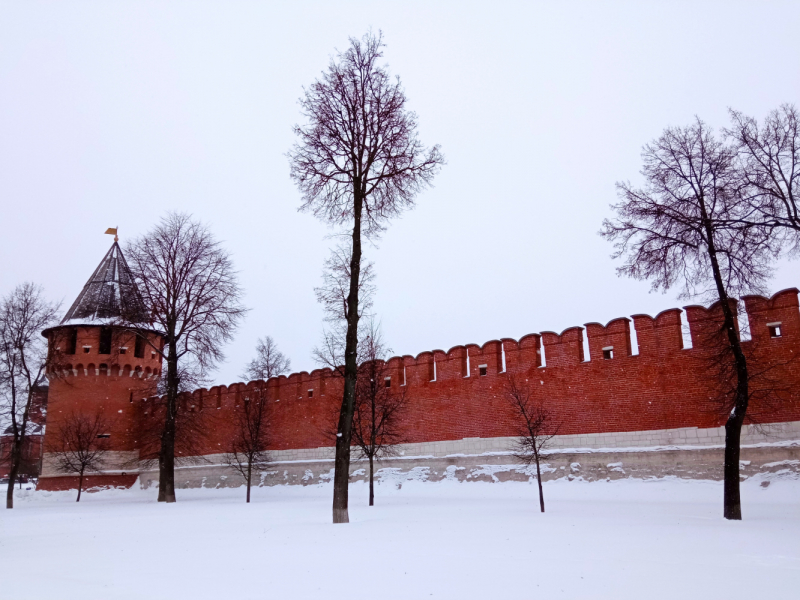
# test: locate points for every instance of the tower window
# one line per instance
(310, 393)
(774, 329)
(482, 370)
(387, 382)
(105, 340)
(138, 350)
(123, 350)
(103, 435)
(608, 352)
(72, 341)
(87, 349)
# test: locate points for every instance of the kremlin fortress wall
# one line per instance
(628, 407)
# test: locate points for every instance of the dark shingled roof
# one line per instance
(109, 294)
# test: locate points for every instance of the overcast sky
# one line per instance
(114, 113)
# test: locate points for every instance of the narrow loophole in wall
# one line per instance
(686, 333)
(634, 341)
(503, 357)
(587, 356)
(745, 335)
(542, 356)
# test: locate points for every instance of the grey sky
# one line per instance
(113, 113)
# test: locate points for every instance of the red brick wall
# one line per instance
(663, 386)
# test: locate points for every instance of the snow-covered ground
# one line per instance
(622, 539)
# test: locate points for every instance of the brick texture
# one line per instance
(663, 386)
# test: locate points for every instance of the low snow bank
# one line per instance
(635, 539)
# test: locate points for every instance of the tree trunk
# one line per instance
(732, 501)
(80, 486)
(732, 505)
(162, 486)
(371, 485)
(166, 476)
(539, 481)
(249, 477)
(12, 477)
(341, 476)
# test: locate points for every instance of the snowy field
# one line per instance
(624, 539)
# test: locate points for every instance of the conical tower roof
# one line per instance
(109, 296)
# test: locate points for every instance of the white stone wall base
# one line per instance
(687, 453)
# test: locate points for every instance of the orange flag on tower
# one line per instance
(113, 231)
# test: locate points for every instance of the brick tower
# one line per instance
(102, 357)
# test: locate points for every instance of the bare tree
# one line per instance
(768, 171)
(80, 445)
(536, 427)
(680, 229)
(195, 427)
(24, 313)
(248, 448)
(269, 361)
(189, 286)
(358, 163)
(380, 403)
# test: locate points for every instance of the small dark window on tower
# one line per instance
(387, 382)
(310, 393)
(608, 353)
(482, 370)
(123, 350)
(72, 341)
(138, 350)
(87, 349)
(103, 435)
(774, 329)
(105, 340)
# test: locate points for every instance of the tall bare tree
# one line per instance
(358, 163)
(269, 361)
(80, 445)
(250, 443)
(190, 287)
(680, 229)
(536, 426)
(24, 313)
(380, 402)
